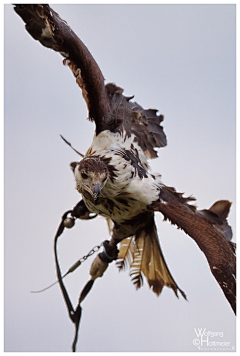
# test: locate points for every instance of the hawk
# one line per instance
(114, 177)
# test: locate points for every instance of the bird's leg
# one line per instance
(102, 260)
(110, 252)
(117, 236)
(80, 211)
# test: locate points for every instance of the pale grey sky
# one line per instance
(179, 59)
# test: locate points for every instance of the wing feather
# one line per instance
(129, 118)
(106, 104)
(205, 228)
(46, 26)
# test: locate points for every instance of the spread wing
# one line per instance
(46, 26)
(210, 231)
(106, 105)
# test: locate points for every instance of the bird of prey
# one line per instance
(114, 177)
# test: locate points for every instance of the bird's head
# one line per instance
(91, 174)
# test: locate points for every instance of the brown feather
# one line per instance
(46, 26)
(143, 254)
(154, 266)
(131, 118)
(220, 252)
(106, 105)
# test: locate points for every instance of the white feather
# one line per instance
(126, 184)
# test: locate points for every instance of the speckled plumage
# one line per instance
(114, 177)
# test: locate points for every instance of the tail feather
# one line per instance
(144, 256)
(125, 253)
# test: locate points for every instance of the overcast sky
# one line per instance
(179, 59)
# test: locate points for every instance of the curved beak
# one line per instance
(96, 192)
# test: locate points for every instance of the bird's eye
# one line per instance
(84, 175)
